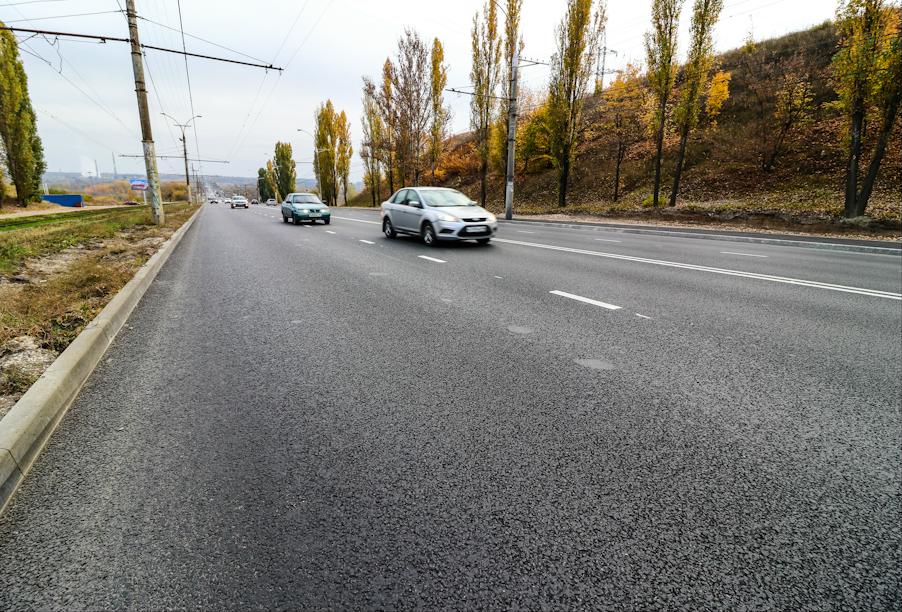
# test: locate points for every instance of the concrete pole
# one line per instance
(185, 153)
(511, 134)
(150, 157)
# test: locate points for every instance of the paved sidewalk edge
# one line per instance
(28, 426)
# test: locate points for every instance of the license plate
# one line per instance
(315, 215)
(476, 229)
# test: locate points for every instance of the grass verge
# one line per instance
(56, 275)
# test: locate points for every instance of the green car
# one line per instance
(299, 207)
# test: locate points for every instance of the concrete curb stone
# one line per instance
(29, 424)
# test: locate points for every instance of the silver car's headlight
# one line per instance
(492, 218)
(446, 217)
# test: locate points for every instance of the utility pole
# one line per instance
(115, 171)
(602, 61)
(183, 127)
(511, 134)
(150, 158)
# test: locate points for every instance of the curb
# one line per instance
(25, 430)
(810, 244)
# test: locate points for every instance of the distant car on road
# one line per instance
(131, 203)
(271, 202)
(305, 207)
(435, 214)
(239, 202)
(213, 201)
(254, 202)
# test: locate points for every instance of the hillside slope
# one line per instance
(724, 178)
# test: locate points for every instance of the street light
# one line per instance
(183, 127)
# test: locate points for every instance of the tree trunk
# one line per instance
(390, 172)
(659, 148)
(373, 188)
(621, 151)
(678, 171)
(886, 130)
(852, 170)
(563, 180)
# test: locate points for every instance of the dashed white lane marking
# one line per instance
(743, 254)
(607, 240)
(580, 298)
(499, 277)
(357, 220)
(329, 232)
(641, 316)
(427, 258)
(524, 232)
(673, 264)
(367, 242)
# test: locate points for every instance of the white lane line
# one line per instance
(329, 232)
(743, 254)
(499, 277)
(357, 220)
(641, 316)
(673, 264)
(580, 298)
(367, 242)
(427, 258)
(607, 240)
(525, 232)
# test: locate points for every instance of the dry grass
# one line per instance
(55, 301)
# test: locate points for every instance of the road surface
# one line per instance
(321, 418)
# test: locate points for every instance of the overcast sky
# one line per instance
(84, 93)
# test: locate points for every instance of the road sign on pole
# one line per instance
(138, 184)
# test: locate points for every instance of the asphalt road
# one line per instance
(321, 418)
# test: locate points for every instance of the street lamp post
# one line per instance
(183, 127)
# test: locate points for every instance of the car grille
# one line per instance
(475, 220)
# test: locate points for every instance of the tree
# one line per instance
(343, 153)
(705, 14)
(325, 152)
(484, 76)
(532, 137)
(284, 168)
(441, 115)
(23, 153)
(273, 182)
(571, 70)
(371, 144)
(866, 71)
(387, 108)
(660, 49)
(794, 108)
(264, 190)
(625, 101)
(413, 102)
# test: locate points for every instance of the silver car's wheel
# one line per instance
(429, 235)
(388, 229)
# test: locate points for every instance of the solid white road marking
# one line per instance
(743, 254)
(329, 232)
(580, 298)
(607, 240)
(367, 242)
(427, 258)
(642, 316)
(357, 220)
(673, 264)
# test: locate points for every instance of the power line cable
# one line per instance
(61, 16)
(188, 79)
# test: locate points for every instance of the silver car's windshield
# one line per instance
(440, 198)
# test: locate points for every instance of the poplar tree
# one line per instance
(660, 49)
(325, 152)
(373, 136)
(571, 70)
(284, 168)
(441, 115)
(484, 76)
(22, 151)
(388, 110)
(343, 153)
(705, 14)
